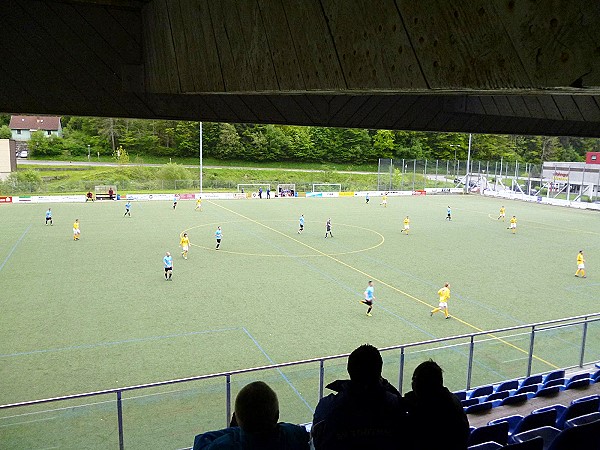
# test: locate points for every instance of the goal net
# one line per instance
(327, 187)
(252, 189)
(286, 190)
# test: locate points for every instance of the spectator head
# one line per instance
(257, 408)
(365, 365)
(426, 377)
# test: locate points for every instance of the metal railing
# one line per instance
(503, 336)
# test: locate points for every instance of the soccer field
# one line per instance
(97, 313)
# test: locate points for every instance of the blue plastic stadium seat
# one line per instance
(486, 446)
(595, 376)
(469, 402)
(482, 391)
(586, 398)
(547, 391)
(508, 386)
(537, 420)
(555, 375)
(480, 407)
(530, 388)
(579, 376)
(554, 382)
(559, 409)
(512, 421)
(578, 409)
(497, 396)
(548, 434)
(583, 437)
(462, 395)
(497, 433)
(532, 444)
(533, 379)
(582, 420)
(598, 365)
(515, 399)
(578, 384)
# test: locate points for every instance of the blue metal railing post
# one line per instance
(228, 399)
(583, 339)
(531, 345)
(401, 370)
(120, 419)
(470, 366)
(321, 378)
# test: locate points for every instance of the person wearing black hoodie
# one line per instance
(365, 412)
(436, 413)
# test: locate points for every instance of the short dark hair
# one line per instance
(426, 376)
(257, 408)
(365, 364)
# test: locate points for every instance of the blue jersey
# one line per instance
(302, 220)
(48, 214)
(168, 260)
(218, 234)
(449, 211)
(369, 293)
(128, 205)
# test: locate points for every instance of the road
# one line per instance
(26, 162)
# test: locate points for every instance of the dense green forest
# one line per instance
(261, 143)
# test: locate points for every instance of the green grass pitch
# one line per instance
(97, 313)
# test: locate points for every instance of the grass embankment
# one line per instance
(172, 178)
(371, 167)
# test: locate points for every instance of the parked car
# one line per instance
(23, 154)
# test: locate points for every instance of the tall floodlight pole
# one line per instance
(468, 165)
(200, 141)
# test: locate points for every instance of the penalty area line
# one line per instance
(12, 250)
(285, 378)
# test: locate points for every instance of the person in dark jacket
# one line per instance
(365, 412)
(436, 413)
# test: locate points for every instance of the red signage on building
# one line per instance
(5, 199)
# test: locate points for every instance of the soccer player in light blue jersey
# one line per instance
(369, 297)
(49, 216)
(168, 262)
(127, 209)
(218, 237)
(301, 228)
(449, 213)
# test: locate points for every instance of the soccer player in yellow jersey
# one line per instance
(502, 214)
(444, 294)
(384, 200)
(406, 226)
(185, 245)
(76, 230)
(580, 265)
(513, 224)
(198, 204)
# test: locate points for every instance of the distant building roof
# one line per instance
(34, 123)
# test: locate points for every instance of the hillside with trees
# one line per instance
(267, 143)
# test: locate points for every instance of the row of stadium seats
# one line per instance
(555, 427)
(519, 391)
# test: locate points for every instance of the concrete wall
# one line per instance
(8, 160)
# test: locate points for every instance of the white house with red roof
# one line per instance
(23, 126)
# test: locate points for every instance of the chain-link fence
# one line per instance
(414, 174)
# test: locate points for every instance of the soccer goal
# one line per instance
(251, 189)
(327, 187)
(286, 190)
